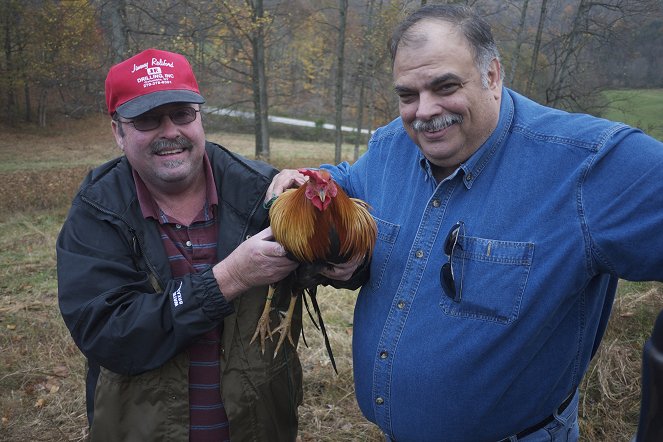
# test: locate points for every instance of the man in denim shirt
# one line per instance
(504, 227)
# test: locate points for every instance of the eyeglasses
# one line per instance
(447, 276)
(179, 116)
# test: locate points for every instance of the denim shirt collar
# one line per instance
(477, 162)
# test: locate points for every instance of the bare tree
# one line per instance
(260, 105)
(340, 59)
(537, 46)
(259, 55)
(363, 74)
(117, 15)
(573, 63)
(566, 56)
(515, 58)
(10, 14)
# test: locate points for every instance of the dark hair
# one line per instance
(475, 29)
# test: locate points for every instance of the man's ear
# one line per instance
(495, 77)
(118, 133)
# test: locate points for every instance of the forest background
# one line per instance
(323, 61)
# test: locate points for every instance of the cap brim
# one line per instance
(144, 103)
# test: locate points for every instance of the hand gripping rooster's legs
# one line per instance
(319, 225)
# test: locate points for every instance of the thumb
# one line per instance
(279, 250)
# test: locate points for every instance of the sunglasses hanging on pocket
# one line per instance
(449, 272)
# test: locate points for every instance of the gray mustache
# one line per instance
(164, 145)
(436, 123)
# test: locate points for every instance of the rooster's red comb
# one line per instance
(317, 175)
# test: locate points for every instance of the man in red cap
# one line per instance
(163, 266)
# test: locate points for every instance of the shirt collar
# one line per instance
(477, 162)
(150, 208)
(428, 169)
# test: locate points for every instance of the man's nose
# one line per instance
(429, 106)
(167, 128)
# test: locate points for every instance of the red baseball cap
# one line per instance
(148, 80)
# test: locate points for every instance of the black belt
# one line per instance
(536, 427)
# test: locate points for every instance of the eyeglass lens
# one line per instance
(447, 278)
(179, 116)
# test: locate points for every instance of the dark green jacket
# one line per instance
(115, 295)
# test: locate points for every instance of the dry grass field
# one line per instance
(41, 370)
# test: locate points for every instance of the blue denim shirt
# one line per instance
(555, 208)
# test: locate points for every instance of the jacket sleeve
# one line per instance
(110, 300)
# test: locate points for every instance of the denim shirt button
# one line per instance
(379, 400)
(384, 355)
(401, 305)
(469, 177)
(419, 254)
(436, 203)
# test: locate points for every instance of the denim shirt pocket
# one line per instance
(387, 234)
(491, 276)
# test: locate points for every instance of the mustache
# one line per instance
(436, 123)
(158, 146)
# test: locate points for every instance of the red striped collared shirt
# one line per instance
(191, 249)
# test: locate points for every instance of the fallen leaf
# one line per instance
(51, 384)
(40, 403)
(11, 326)
(61, 371)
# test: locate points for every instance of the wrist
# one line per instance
(229, 284)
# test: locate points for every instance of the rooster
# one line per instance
(318, 225)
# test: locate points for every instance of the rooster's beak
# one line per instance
(322, 194)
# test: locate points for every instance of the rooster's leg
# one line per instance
(284, 327)
(263, 329)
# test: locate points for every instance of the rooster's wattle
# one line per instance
(318, 225)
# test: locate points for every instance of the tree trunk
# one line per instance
(363, 75)
(28, 103)
(119, 34)
(10, 103)
(338, 102)
(41, 107)
(515, 58)
(537, 46)
(260, 104)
